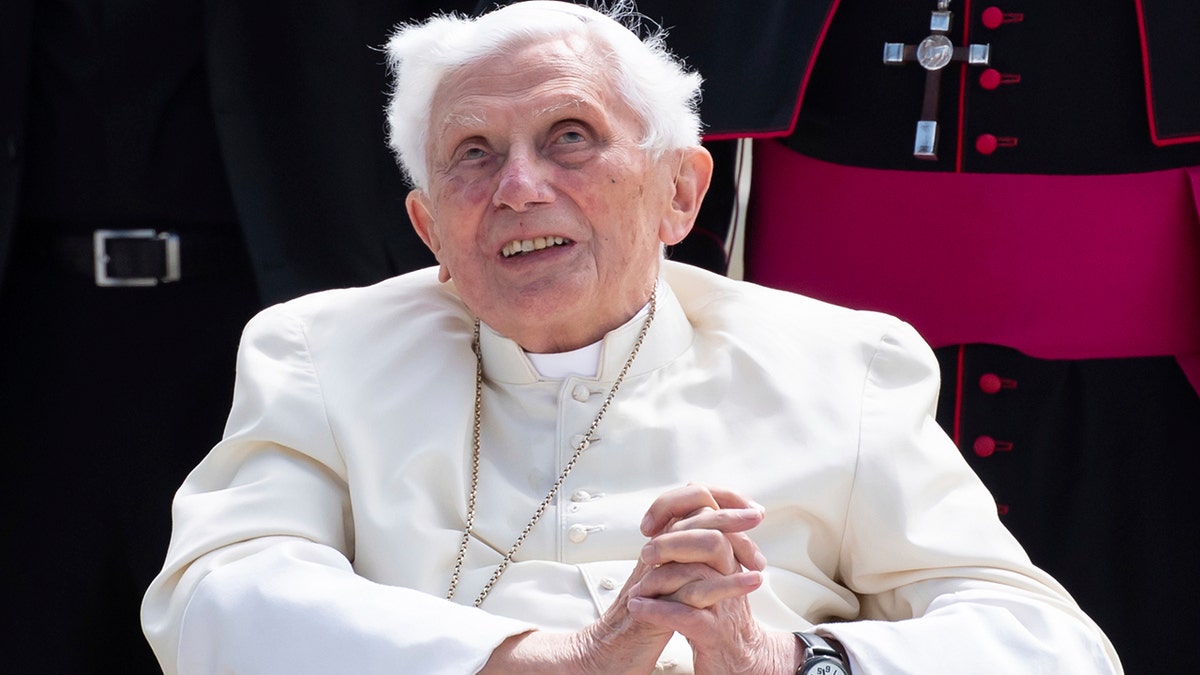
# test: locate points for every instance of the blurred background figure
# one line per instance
(168, 169)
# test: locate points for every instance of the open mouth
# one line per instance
(523, 246)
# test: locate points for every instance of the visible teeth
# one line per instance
(526, 245)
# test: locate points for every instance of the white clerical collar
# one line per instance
(582, 362)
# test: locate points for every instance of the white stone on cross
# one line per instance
(933, 54)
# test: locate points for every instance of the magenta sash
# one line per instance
(1054, 266)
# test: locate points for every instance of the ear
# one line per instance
(417, 204)
(691, 184)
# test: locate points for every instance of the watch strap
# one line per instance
(816, 646)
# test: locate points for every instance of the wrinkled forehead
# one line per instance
(528, 61)
(555, 72)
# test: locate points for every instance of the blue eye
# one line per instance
(473, 153)
(571, 137)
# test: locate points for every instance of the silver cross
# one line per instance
(934, 53)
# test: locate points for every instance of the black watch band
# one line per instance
(821, 657)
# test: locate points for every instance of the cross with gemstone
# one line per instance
(934, 53)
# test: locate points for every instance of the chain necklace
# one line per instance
(537, 514)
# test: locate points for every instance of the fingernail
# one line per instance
(646, 522)
(760, 560)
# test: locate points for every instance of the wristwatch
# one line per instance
(820, 657)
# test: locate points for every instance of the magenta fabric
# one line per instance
(1055, 266)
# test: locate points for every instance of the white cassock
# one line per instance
(319, 536)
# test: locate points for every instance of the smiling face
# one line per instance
(541, 206)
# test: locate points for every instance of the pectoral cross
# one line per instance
(934, 53)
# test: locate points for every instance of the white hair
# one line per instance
(649, 79)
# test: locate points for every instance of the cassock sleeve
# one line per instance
(944, 587)
(258, 577)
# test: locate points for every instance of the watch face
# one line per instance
(823, 665)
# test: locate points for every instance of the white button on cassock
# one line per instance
(577, 534)
(580, 393)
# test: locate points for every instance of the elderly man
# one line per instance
(509, 464)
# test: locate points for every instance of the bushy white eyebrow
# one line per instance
(463, 120)
(576, 103)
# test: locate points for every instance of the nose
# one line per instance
(522, 182)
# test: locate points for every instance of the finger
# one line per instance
(725, 520)
(682, 502)
(675, 504)
(673, 523)
(709, 547)
(746, 551)
(695, 585)
(664, 580)
(726, 553)
(709, 592)
(670, 615)
(711, 625)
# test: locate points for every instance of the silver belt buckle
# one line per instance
(170, 243)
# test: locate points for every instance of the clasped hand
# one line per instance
(693, 577)
(700, 566)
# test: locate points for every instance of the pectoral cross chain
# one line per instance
(933, 53)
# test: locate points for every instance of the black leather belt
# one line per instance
(142, 257)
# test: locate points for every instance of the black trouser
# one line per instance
(109, 397)
(1089, 462)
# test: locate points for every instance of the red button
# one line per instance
(993, 17)
(986, 144)
(989, 79)
(985, 446)
(989, 383)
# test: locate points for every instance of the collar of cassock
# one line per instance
(669, 336)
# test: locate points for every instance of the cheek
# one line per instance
(624, 218)
(478, 193)
(465, 194)
(460, 204)
(614, 193)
